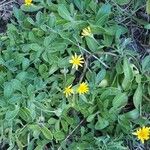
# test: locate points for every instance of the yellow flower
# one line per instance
(142, 133)
(76, 61)
(83, 88)
(86, 31)
(28, 2)
(68, 91)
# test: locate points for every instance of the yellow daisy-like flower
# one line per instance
(86, 31)
(142, 133)
(76, 61)
(28, 2)
(83, 88)
(68, 91)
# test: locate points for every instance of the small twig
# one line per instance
(94, 56)
(3, 1)
(144, 96)
(107, 53)
(71, 133)
(1, 5)
(125, 11)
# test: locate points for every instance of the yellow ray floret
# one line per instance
(28, 2)
(86, 31)
(83, 88)
(142, 133)
(68, 91)
(76, 61)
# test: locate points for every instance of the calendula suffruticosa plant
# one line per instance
(68, 78)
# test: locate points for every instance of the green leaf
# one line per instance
(62, 63)
(119, 67)
(18, 14)
(31, 8)
(39, 147)
(58, 47)
(109, 92)
(49, 39)
(147, 26)
(149, 89)
(64, 125)
(30, 20)
(128, 74)
(47, 133)
(30, 145)
(83, 97)
(100, 76)
(91, 43)
(52, 121)
(138, 78)
(57, 125)
(25, 114)
(103, 12)
(146, 63)
(22, 76)
(90, 117)
(59, 135)
(25, 63)
(53, 68)
(10, 115)
(64, 13)
(8, 89)
(124, 123)
(36, 47)
(69, 80)
(148, 7)
(120, 100)
(19, 144)
(41, 96)
(30, 90)
(34, 127)
(108, 39)
(42, 69)
(137, 98)
(52, 20)
(16, 84)
(78, 4)
(39, 18)
(101, 123)
(102, 20)
(134, 114)
(16, 98)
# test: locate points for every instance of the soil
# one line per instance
(6, 8)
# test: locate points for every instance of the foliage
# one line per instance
(35, 69)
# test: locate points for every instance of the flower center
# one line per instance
(143, 134)
(82, 88)
(76, 61)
